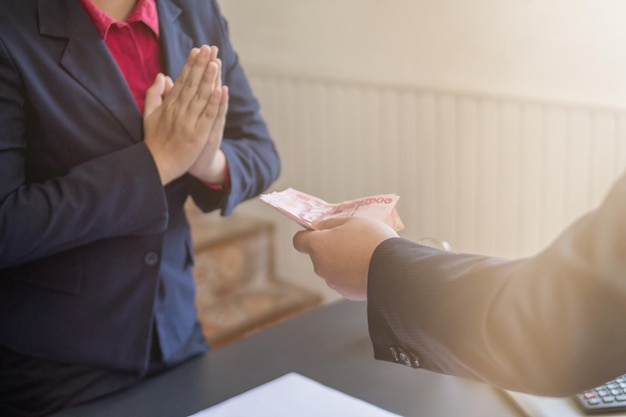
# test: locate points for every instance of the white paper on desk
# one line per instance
(294, 395)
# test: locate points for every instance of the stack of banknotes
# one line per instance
(306, 209)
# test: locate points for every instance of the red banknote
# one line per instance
(306, 209)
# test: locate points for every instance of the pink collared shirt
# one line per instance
(133, 43)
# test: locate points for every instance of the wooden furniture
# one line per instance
(237, 290)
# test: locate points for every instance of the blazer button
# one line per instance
(151, 258)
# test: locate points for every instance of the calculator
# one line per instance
(607, 398)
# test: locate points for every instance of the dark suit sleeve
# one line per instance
(252, 158)
(552, 324)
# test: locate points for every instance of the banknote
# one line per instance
(306, 209)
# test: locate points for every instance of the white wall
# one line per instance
(547, 78)
(563, 49)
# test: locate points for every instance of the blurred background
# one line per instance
(497, 122)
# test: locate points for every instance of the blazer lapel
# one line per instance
(175, 43)
(87, 59)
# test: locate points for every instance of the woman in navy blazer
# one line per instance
(95, 250)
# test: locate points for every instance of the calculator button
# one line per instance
(606, 398)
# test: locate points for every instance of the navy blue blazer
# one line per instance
(92, 247)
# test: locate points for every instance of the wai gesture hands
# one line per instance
(184, 121)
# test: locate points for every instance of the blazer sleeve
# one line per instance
(552, 324)
(253, 161)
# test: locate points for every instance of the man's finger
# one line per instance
(330, 222)
(301, 241)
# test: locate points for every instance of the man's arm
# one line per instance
(552, 324)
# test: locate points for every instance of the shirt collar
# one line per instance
(145, 11)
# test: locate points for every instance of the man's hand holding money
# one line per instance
(341, 249)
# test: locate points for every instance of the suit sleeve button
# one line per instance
(409, 360)
(394, 353)
(151, 258)
(404, 358)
